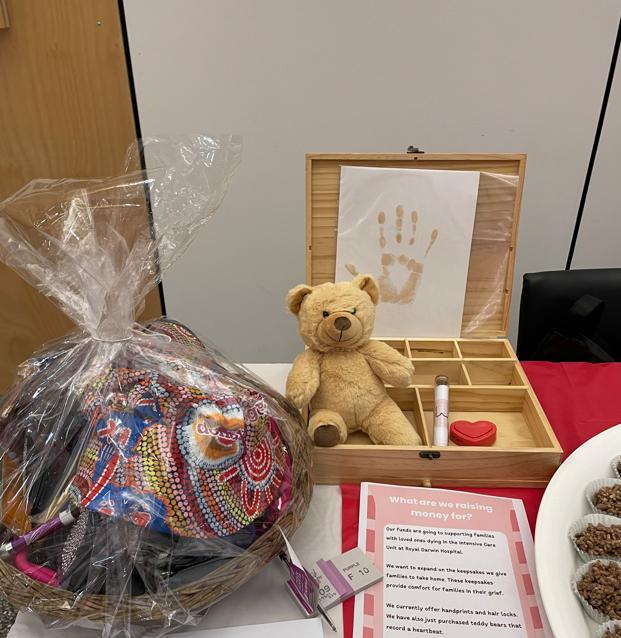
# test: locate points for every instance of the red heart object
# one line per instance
(477, 433)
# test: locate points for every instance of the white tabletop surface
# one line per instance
(263, 598)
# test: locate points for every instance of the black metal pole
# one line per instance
(598, 132)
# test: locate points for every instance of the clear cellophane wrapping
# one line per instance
(165, 462)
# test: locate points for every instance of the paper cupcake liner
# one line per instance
(581, 524)
(615, 463)
(597, 616)
(608, 626)
(593, 486)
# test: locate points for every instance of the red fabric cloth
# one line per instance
(580, 401)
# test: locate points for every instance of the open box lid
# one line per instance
(492, 256)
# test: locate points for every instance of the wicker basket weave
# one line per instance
(24, 592)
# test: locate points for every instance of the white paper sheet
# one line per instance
(455, 564)
(299, 628)
(412, 229)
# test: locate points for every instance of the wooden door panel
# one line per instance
(65, 111)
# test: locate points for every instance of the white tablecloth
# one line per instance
(263, 598)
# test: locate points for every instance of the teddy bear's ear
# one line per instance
(295, 297)
(369, 285)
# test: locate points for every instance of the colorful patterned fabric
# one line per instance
(175, 458)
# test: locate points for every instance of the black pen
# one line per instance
(285, 559)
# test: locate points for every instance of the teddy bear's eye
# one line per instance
(325, 313)
(353, 312)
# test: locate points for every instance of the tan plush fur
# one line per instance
(342, 371)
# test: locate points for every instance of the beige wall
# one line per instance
(361, 76)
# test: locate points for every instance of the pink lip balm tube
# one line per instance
(441, 411)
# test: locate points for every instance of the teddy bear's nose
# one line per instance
(342, 323)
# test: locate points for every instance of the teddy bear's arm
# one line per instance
(303, 380)
(390, 366)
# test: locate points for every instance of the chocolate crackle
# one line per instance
(608, 499)
(601, 588)
(600, 540)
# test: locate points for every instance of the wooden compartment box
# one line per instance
(486, 380)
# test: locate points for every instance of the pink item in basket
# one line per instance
(42, 574)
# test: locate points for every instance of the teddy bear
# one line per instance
(342, 372)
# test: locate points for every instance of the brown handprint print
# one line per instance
(388, 290)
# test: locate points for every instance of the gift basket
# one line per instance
(144, 474)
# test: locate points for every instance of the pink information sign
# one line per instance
(454, 564)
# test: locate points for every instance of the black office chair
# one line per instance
(552, 300)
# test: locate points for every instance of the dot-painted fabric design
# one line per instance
(175, 458)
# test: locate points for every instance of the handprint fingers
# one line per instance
(389, 293)
(406, 294)
(434, 236)
(414, 222)
(399, 223)
(381, 220)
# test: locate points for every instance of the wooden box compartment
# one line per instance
(525, 454)
(488, 349)
(438, 349)
(427, 370)
(495, 372)
(486, 380)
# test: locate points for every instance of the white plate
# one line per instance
(564, 503)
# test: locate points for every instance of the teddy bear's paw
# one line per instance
(402, 374)
(297, 399)
(326, 436)
(405, 437)
(408, 438)
(299, 393)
